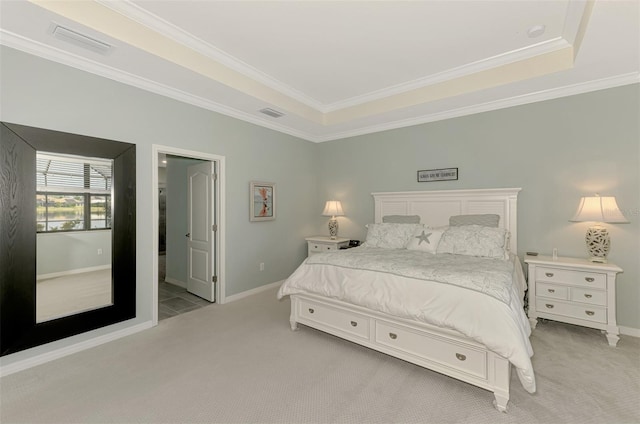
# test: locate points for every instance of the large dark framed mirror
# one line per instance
(109, 209)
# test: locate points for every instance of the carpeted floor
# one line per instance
(241, 363)
(69, 294)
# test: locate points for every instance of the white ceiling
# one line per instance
(342, 68)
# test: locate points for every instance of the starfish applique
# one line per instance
(423, 237)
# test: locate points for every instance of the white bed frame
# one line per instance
(442, 350)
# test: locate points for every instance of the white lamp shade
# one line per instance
(599, 209)
(333, 208)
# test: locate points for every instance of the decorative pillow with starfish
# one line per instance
(426, 239)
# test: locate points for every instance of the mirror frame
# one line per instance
(18, 146)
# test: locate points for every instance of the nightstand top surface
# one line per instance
(326, 239)
(571, 262)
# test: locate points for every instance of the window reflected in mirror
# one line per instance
(73, 221)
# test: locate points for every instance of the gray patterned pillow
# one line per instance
(390, 235)
(401, 219)
(475, 240)
(486, 220)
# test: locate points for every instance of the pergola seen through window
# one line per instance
(73, 193)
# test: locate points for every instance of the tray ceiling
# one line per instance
(339, 69)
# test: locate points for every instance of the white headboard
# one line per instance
(435, 207)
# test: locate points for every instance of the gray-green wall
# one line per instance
(45, 94)
(556, 151)
(60, 252)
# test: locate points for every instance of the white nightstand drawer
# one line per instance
(593, 297)
(583, 312)
(574, 290)
(552, 290)
(319, 247)
(576, 278)
(462, 358)
(347, 322)
(320, 244)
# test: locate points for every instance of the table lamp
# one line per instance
(333, 208)
(598, 209)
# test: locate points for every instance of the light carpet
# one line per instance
(69, 294)
(241, 363)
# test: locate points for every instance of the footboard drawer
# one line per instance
(343, 321)
(461, 357)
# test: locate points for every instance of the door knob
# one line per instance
(187, 235)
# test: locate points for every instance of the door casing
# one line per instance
(219, 202)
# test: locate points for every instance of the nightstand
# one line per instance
(319, 244)
(575, 291)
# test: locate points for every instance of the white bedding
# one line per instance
(502, 327)
(492, 277)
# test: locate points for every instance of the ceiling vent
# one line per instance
(272, 113)
(80, 40)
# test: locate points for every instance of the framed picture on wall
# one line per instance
(446, 174)
(262, 202)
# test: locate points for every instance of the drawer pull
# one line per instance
(549, 274)
(311, 310)
(548, 305)
(589, 279)
(393, 336)
(461, 357)
(588, 296)
(590, 313)
(354, 324)
(551, 290)
(328, 247)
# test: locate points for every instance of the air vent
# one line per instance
(272, 113)
(80, 40)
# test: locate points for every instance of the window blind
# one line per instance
(66, 173)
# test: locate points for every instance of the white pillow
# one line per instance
(425, 239)
(475, 240)
(390, 235)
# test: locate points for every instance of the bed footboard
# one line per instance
(440, 350)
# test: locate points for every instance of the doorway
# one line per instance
(191, 230)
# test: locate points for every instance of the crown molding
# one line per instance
(577, 17)
(134, 12)
(45, 51)
(48, 52)
(452, 74)
(554, 93)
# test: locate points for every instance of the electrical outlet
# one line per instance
(261, 266)
(99, 251)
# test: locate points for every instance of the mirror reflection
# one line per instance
(73, 224)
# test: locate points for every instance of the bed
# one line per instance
(465, 321)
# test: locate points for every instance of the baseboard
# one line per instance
(68, 350)
(630, 331)
(175, 282)
(72, 271)
(257, 290)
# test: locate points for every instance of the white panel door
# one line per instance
(201, 236)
